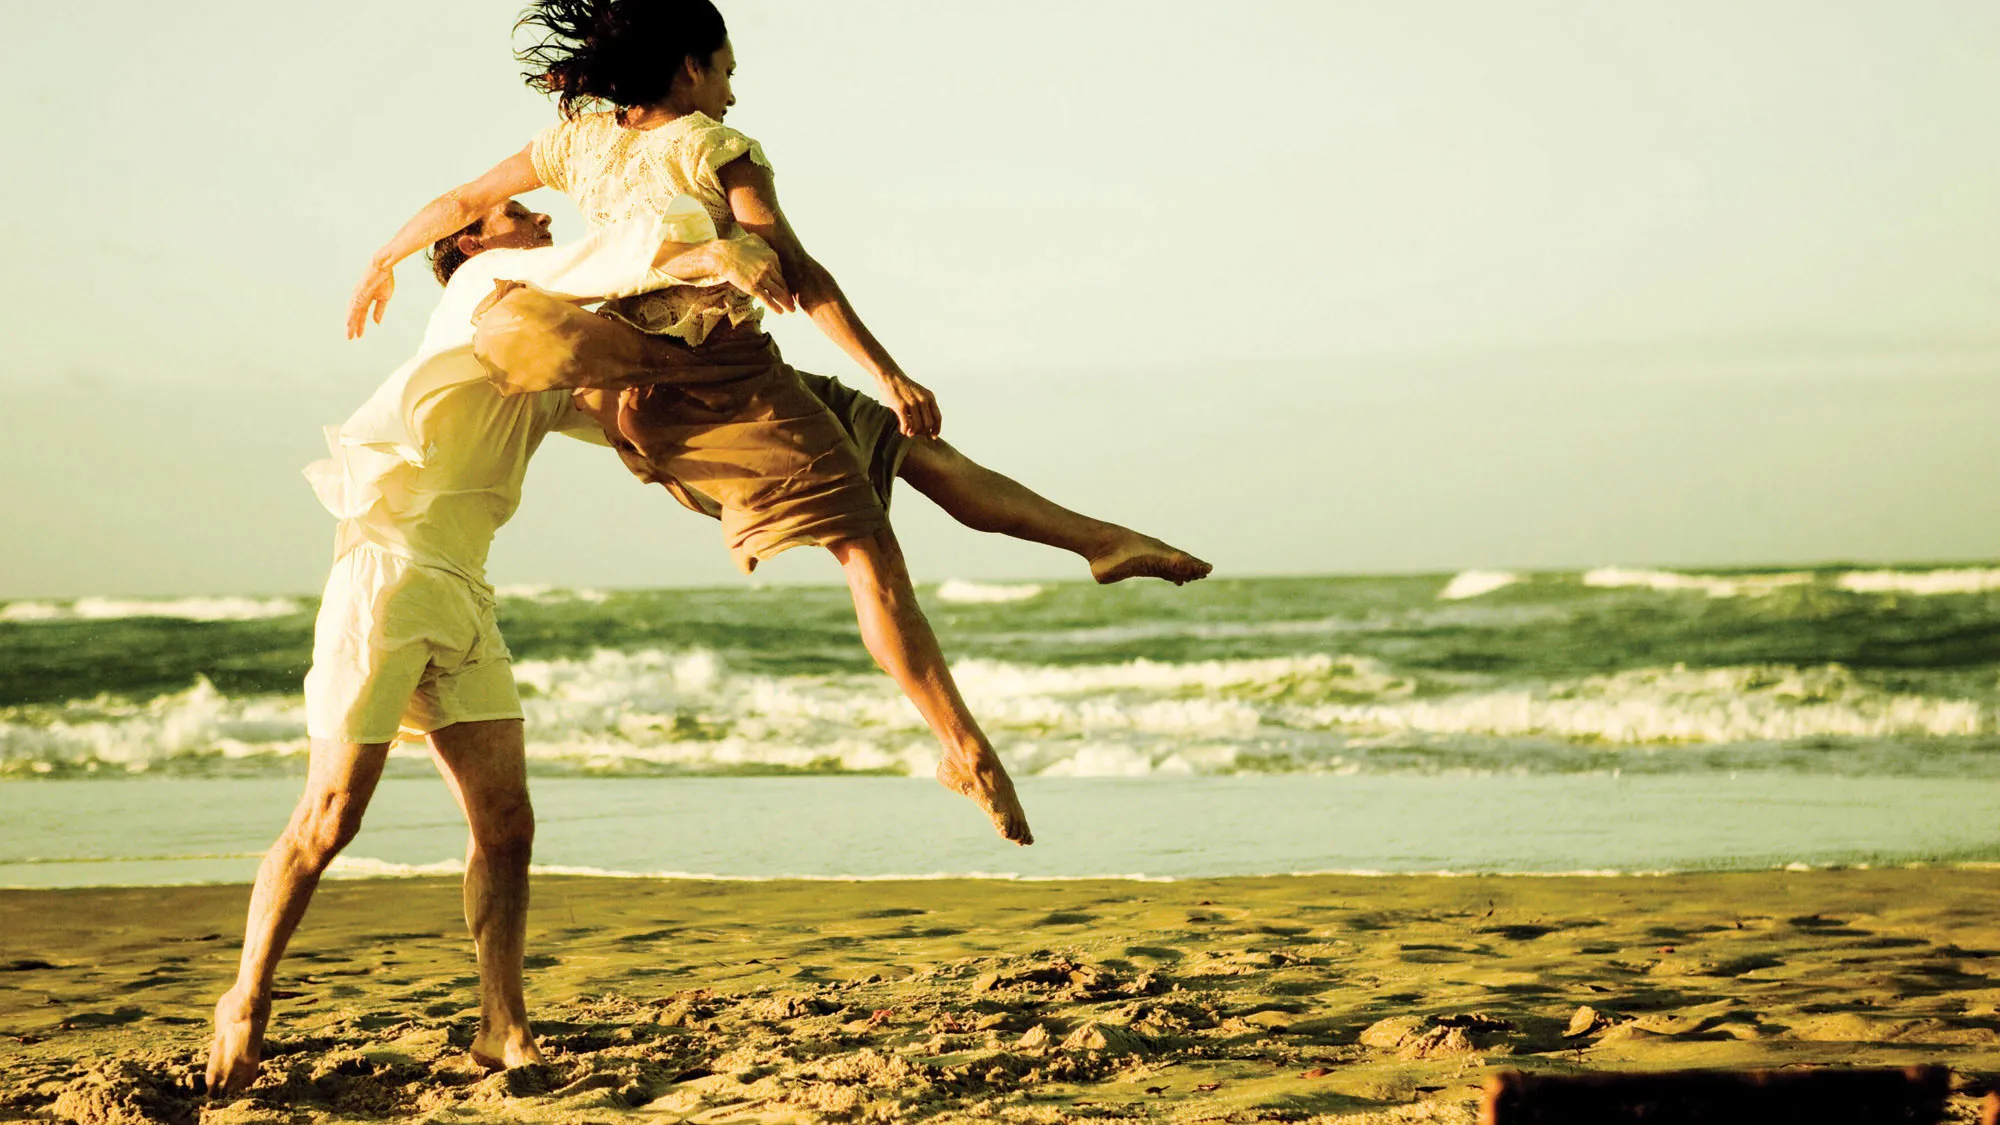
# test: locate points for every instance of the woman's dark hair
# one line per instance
(623, 52)
(445, 255)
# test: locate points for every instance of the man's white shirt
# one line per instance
(431, 465)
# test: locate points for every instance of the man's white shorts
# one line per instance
(403, 647)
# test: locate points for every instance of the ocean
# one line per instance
(1612, 720)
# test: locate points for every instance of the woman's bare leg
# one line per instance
(899, 637)
(984, 500)
(486, 766)
(339, 783)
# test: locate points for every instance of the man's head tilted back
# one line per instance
(510, 226)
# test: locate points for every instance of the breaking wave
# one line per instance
(1921, 582)
(200, 722)
(185, 609)
(659, 711)
(551, 595)
(1673, 582)
(689, 710)
(361, 867)
(978, 593)
(1473, 583)
(1656, 706)
(1958, 580)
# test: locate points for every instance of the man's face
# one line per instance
(509, 226)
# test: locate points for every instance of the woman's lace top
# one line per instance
(614, 173)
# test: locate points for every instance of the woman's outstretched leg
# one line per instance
(899, 637)
(984, 500)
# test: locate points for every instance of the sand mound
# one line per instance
(1430, 1037)
(122, 1093)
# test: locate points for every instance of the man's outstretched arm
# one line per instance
(638, 256)
(532, 337)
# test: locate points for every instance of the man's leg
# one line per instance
(485, 763)
(339, 783)
(899, 637)
(984, 500)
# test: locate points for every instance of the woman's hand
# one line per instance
(452, 211)
(914, 405)
(749, 264)
(376, 287)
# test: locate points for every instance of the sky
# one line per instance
(1306, 286)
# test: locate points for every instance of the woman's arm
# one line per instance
(745, 262)
(452, 211)
(754, 200)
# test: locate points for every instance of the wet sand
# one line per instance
(1351, 999)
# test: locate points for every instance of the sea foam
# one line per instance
(978, 593)
(1473, 583)
(659, 711)
(361, 867)
(185, 609)
(135, 735)
(1651, 706)
(1921, 582)
(1715, 586)
(551, 595)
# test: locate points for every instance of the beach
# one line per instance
(1285, 998)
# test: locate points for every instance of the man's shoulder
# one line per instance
(475, 278)
(481, 270)
(451, 321)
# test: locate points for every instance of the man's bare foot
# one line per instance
(985, 780)
(1133, 555)
(238, 1047)
(504, 1048)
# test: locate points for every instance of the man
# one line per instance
(421, 477)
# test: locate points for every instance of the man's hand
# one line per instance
(376, 287)
(914, 405)
(751, 265)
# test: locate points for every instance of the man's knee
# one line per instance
(929, 462)
(877, 572)
(876, 554)
(506, 827)
(328, 821)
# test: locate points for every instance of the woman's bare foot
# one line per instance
(985, 780)
(238, 1047)
(1133, 555)
(504, 1048)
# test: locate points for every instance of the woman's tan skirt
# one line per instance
(729, 422)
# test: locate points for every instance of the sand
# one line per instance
(1290, 999)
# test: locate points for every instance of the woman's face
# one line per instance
(709, 91)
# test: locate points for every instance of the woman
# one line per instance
(735, 425)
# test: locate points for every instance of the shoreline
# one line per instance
(1367, 998)
(366, 870)
(198, 832)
